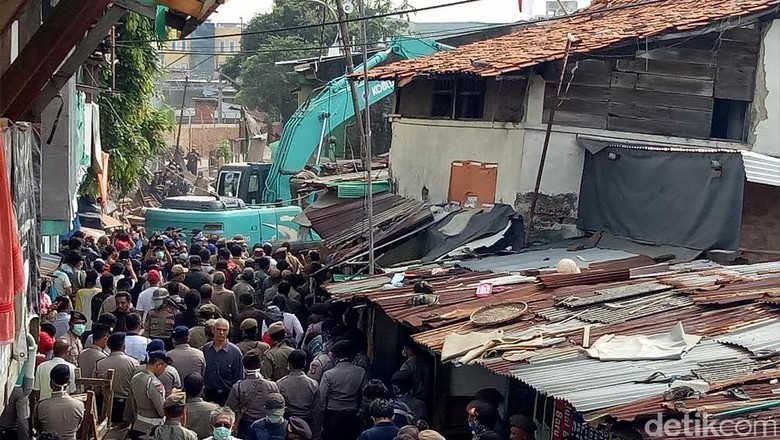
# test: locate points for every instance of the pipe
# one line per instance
(548, 132)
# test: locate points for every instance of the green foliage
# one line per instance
(270, 88)
(224, 151)
(131, 128)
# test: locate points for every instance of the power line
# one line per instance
(307, 26)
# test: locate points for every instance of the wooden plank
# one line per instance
(595, 94)
(686, 86)
(9, 10)
(621, 80)
(40, 58)
(736, 54)
(663, 67)
(572, 119)
(660, 113)
(578, 106)
(593, 79)
(661, 99)
(735, 83)
(657, 127)
(746, 34)
(694, 56)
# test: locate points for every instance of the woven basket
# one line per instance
(494, 314)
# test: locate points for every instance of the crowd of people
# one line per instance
(214, 339)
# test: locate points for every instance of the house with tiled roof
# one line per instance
(667, 110)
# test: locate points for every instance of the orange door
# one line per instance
(473, 184)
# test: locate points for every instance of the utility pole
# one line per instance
(367, 142)
(345, 42)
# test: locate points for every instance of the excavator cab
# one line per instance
(243, 180)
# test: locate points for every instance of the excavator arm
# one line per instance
(304, 133)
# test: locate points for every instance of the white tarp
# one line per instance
(672, 345)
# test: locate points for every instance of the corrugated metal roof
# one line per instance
(760, 168)
(591, 384)
(759, 337)
(544, 259)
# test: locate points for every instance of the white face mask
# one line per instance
(275, 416)
(157, 302)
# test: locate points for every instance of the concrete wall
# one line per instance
(765, 136)
(423, 150)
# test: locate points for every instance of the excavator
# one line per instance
(253, 199)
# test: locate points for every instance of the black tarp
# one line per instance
(690, 198)
(445, 235)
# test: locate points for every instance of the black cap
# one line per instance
(161, 355)
(180, 332)
(60, 374)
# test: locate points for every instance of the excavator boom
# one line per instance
(304, 133)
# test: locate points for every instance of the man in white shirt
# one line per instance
(43, 375)
(145, 297)
(135, 343)
(292, 325)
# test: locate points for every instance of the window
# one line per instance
(458, 99)
(232, 46)
(253, 190)
(554, 7)
(173, 45)
(221, 46)
(227, 185)
(728, 119)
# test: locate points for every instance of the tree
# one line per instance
(131, 129)
(270, 88)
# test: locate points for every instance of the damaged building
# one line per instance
(679, 98)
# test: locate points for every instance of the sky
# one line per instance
(487, 11)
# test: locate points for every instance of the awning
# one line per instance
(760, 168)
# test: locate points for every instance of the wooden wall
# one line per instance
(667, 88)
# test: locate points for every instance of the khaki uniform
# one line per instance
(302, 395)
(199, 416)
(248, 397)
(170, 378)
(173, 430)
(275, 364)
(247, 345)
(147, 396)
(159, 322)
(76, 347)
(88, 359)
(226, 301)
(321, 363)
(60, 414)
(242, 287)
(124, 368)
(198, 337)
(187, 360)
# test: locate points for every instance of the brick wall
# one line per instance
(205, 136)
(204, 111)
(761, 223)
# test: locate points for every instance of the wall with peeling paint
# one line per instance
(423, 150)
(766, 103)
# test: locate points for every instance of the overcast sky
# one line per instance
(489, 11)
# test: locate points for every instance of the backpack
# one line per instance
(402, 414)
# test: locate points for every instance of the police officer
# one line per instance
(60, 414)
(124, 367)
(160, 320)
(175, 417)
(340, 392)
(147, 396)
(250, 331)
(248, 396)
(275, 364)
(300, 391)
(170, 377)
(198, 410)
(186, 359)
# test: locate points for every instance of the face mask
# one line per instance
(78, 329)
(221, 433)
(159, 255)
(275, 416)
(157, 302)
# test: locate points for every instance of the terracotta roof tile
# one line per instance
(603, 24)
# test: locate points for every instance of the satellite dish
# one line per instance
(349, 7)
